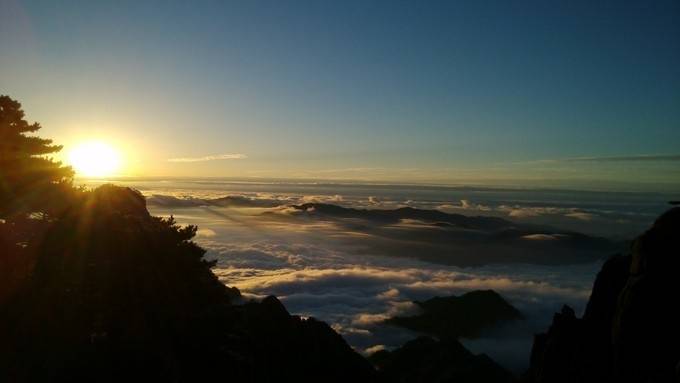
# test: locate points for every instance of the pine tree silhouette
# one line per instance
(28, 179)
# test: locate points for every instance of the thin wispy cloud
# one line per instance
(230, 156)
(632, 158)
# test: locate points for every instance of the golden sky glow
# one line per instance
(356, 98)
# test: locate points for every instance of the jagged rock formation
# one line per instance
(118, 295)
(427, 360)
(630, 331)
(453, 317)
(289, 348)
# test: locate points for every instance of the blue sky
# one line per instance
(434, 91)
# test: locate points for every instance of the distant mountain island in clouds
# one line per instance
(429, 235)
(459, 316)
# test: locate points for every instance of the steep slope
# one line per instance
(630, 331)
(119, 295)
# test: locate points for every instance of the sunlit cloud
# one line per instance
(542, 237)
(230, 156)
(522, 212)
(464, 205)
(206, 233)
(374, 349)
(322, 198)
(583, 216)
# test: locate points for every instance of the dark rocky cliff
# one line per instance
(630, 331)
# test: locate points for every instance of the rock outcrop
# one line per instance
(427, 360)
(630, 331)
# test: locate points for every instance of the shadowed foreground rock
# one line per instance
(630, 331)
(118, 295)
(427, 360)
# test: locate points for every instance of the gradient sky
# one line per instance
(552, 93)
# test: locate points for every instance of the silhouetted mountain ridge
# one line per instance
(456, 239)
(396, 215)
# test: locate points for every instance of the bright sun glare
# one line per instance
(94, 159)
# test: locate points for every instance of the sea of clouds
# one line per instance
(327, 269)
(316, 271)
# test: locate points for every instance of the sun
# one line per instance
(94, 159)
